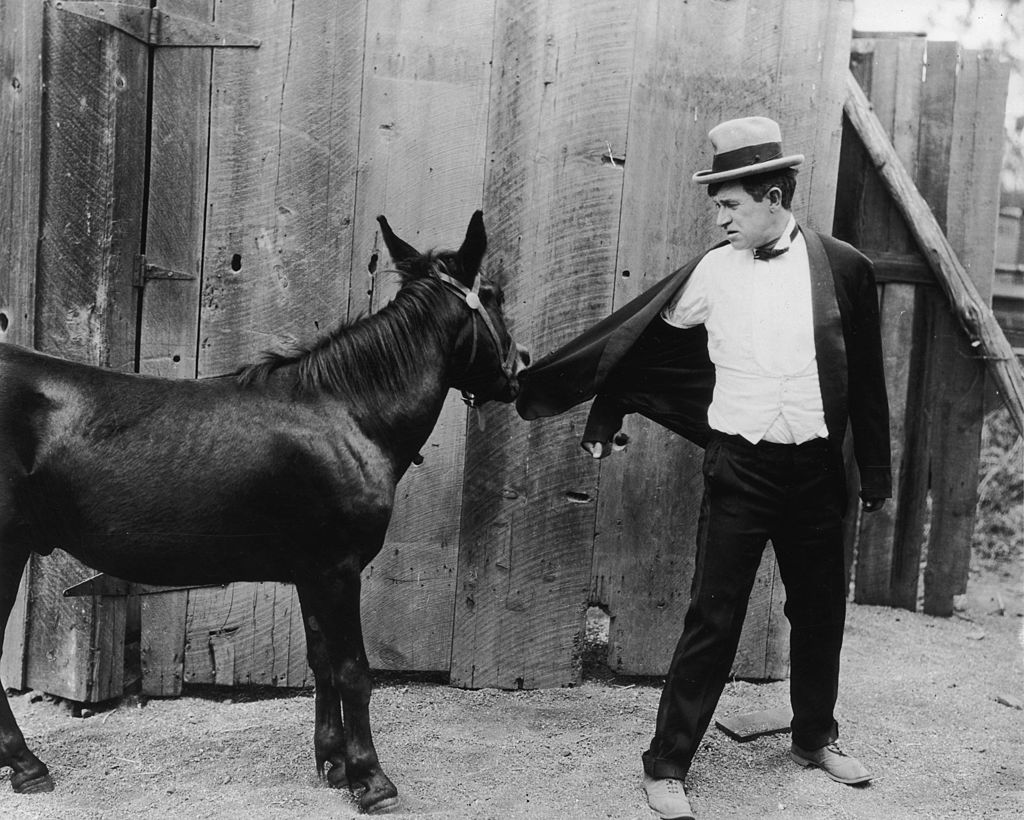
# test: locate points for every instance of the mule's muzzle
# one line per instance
(508, 391)
(521, 362)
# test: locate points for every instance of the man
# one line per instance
(763, 350)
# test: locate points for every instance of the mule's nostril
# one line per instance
(524, 356)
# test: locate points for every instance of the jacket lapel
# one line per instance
(829, 343)
(638, 315)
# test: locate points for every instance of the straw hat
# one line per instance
(743, 147)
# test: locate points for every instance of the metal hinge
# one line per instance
(158, 28)
(145, 272)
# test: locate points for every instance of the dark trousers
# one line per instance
(790, 494)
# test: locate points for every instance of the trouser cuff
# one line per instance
(657, 768)
(812, 741)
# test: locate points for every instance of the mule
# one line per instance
(284, 471)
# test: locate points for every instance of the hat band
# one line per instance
(748, 155)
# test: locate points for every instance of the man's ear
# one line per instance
(775, 196)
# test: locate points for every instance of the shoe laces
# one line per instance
(832, 747)
(673, 786)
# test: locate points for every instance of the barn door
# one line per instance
(91, 191)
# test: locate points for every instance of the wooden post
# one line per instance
(970, 307)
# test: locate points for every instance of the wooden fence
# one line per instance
(175, 210)
(942, 106)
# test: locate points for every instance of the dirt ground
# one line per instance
(932, 706)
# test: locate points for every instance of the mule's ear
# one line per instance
(471, 254)
(400, 251)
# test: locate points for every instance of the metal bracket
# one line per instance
(144, 272)
(108, 585)
(157, 28)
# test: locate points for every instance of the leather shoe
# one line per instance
(665, 795)
(834, 762)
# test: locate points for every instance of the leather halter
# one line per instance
(472, 300)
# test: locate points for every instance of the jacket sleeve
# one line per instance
(605, 419)
(869, 404)
(666, 377)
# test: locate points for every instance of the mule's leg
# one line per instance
(333, 599)
(30, 773)
(328, 729)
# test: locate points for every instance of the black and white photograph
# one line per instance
(512, 409)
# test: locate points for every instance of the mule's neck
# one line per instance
(392, 370)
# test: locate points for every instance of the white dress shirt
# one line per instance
(760, 340)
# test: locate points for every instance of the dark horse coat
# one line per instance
(633, 362)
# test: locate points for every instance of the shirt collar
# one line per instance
(788, 235)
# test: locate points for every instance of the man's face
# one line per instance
(747, 223)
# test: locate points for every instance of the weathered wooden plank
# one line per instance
(245, 634)
(21, 89)
(426, 84)
(162, 642)
(94, 120)
(406, 575)
(971, 220)
(807, 94)
(896, 96)
(21, 42)
(644, 545)
(650, 494)
(876, 543)
(169, 322)
(763, 651)
(283, 137)
(931, 174)
(279, 211)
(558, 107)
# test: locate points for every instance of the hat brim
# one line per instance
(706, 177)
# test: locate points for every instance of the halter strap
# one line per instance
(472, 300)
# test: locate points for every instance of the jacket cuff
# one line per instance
(605, 419)
(875, 482)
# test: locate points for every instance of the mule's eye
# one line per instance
(492, 295)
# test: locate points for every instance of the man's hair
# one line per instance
(758, 185)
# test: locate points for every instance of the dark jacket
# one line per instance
(634, 362)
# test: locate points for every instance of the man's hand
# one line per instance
(870, 505)
(600, 449)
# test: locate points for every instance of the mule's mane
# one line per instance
(370, 357)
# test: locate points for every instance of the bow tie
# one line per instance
(768, 249)
(768, 252)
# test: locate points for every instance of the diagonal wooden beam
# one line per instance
(972, 311)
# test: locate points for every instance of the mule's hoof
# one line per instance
(385, 804)
(378, 797)
(31, 784)
(336, 777)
